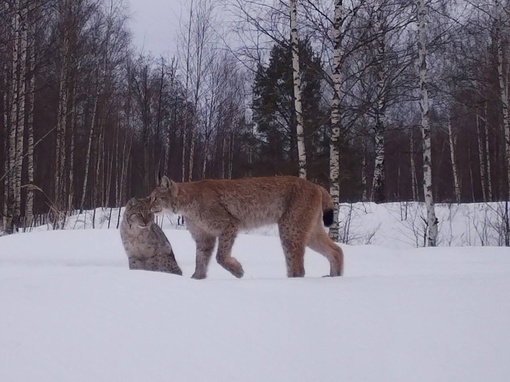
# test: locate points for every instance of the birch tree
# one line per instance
(16, 122)
(503, 72)
(378, 193)
(66, 39)
(336, 119)
(31, 57)
(432, 222)
(296, 74)
(452, 143)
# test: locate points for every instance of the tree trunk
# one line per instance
(378, 184)
(126, 148)
(72, 137)
(184, 138)
(503, 89)
(14, 111)
(20, 125)
(432, 223)
(29, 210)
(481, 159)
(109, 176)
(364, 165)
(487, 153)
(7, 148)
(453, 141)
(186, 116)
(334, 148)
(99, 163)
(166, 154)
(231, 155)
(204, 158)
(296, 75)
(89, 148)
(60, 146)
(414, 178)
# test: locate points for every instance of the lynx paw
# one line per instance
(238, 272)
(198, 276)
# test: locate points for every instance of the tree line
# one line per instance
(377, 100)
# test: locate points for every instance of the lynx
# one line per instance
(145, 243)
(219, 209)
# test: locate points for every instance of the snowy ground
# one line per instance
(71, 310)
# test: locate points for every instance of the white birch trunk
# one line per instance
(191, 152)
(184, 138)
(296, 75)
(334, 149)
(109, 175)
(72, 132)
(453, 141)
(6, 147)
(124, 164)
(414, 178)
(231, 155)
(471, 177)
(20, 125)
(487, 153)
(204, 160)
(29, 211)
(13, 123)
(432, 223)
(60, 145)
(117, 165)
(503, 87)
(364, 178)
(193, 133)
(378, 182)
(99, 163)
(481, 159)
(166, 154)
(89, 149)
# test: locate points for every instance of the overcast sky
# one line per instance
(155, 24)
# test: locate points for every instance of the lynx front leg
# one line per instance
(224, 257)
(134, 263)
(205, 246)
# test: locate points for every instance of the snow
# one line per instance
(71, 310)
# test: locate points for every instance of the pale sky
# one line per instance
(155, 25)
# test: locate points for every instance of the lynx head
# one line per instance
(164, 196)
(138, 213)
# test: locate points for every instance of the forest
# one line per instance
(376, 100)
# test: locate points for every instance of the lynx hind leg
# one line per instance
(320, 242)
(224, 254)
(295, 227)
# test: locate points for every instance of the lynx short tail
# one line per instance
(327, 217)
(327, 207)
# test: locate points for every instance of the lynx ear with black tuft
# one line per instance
(165, 182)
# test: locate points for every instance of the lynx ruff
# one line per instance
(219, 209)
